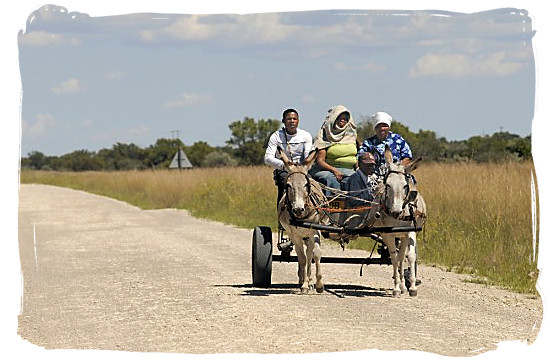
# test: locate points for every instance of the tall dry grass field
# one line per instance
(480, 221)
(479, 216)
(243, 196)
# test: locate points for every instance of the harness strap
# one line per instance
(354, 209)
(346, 194)
(310, 200)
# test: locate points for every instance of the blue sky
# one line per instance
(90, 81)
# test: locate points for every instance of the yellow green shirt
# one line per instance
(342, 155)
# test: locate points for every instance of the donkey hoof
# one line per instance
(304, 291)
(396, 293)
(320, 289)
(413, 292)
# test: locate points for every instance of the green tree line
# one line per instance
(249, 139)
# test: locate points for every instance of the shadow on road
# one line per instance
(334, 289)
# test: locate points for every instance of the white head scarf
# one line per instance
(382, 118)
(330, 133)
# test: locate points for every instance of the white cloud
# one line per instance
(147, 36)
(40, 38)
(39, 127)
(43, 38)
(364, 27)
(188, 99)
(190, 28)
(463, 65)
(258, 29)
(254, 28)
(70, 86)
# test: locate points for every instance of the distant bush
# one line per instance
(248, 142)
(219, 159)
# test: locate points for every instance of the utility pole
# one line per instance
(177, 132)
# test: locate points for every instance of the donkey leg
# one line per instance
(319, 286)
(302, 263)
(390, 243)
(411, 258)
(309, 257)
(403, 246)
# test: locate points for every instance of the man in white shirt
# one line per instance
(296, 143)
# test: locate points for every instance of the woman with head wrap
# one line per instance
(337, 146)
(400, 149)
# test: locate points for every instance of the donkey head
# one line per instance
(396, 190)
(298, 186)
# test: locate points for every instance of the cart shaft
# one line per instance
(337, 260)
(362, 231)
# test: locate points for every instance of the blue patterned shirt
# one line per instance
(398, 146)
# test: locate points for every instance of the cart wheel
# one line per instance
(262, 251)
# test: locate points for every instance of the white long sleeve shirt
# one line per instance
(296, 147)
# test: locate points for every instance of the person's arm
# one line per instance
(321, 161)
(308, 145)
(270, 152)
(405, 153)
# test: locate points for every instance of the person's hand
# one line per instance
(338, 174)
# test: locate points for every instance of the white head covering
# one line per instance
(330, 134)
(382, 118)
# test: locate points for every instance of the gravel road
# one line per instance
(101, 274)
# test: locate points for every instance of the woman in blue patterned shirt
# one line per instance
(376, 145)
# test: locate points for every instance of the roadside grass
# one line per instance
(480, 221)
(479, 215)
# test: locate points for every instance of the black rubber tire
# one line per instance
(262, 251)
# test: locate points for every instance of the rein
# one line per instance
(355, 209)
(346, 195)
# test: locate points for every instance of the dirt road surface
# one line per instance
(101, 274)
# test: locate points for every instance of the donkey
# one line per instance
(297, 204)
(400, 208)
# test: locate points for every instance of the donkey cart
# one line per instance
(391, 215)
(263, 256)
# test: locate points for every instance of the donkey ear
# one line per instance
(283, 156)
(388, 155)
(308, 162)
(413, 165)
